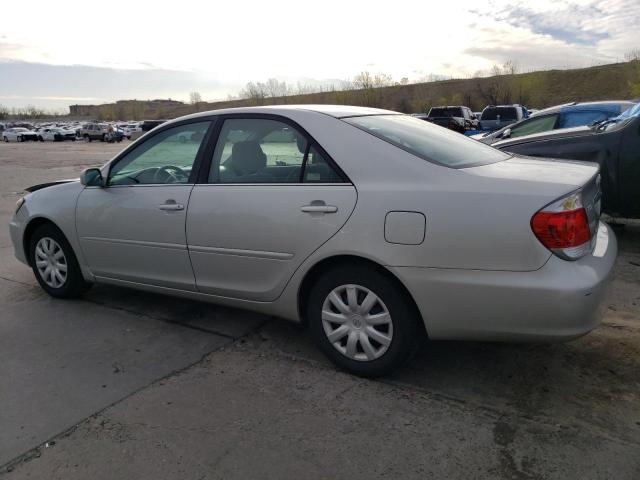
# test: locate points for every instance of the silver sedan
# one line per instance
(374, 228)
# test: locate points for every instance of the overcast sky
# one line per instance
(53, 54)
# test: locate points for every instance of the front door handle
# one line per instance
(171, 205)
(319, 208)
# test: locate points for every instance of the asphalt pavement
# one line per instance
(124, 384)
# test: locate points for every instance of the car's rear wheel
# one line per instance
(5, 139)
(54, 263)
(363, 321)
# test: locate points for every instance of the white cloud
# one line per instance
(230, 43)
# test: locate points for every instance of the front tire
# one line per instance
(363, 321)
(54, 263)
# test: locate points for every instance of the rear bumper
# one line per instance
(560, 301)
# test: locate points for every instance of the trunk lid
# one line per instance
(548, 171)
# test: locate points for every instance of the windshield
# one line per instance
(630, 112)
(615, 122)
(430, 142)
(445, 112)
(506, 113)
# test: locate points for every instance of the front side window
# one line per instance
(167, 157)
(534, 125)
(260, 150)
(430, 142)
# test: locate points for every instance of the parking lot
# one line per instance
(123, 384)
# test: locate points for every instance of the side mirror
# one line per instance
(91, 177)
(506, 133)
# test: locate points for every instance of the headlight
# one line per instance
(19, 204)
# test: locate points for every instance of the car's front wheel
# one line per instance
(54, 263)
(363, 321)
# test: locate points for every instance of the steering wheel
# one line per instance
(170, 174)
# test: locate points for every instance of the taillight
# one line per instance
(563, 227)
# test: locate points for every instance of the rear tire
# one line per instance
(49, 248)
(372, 335)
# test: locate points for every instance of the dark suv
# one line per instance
(494, 117)
(456, 118)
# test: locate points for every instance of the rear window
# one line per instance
(506, 113)
(430, 142)
(445, 112)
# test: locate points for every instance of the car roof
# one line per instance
(337, 111)
(576, 107)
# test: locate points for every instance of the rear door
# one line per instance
(271, 197)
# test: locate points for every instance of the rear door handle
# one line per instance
(171, 206)
(319, 208)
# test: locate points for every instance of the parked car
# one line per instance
(613, 144)
(94, 131)
(457, 118)
(56, 135)
(19, 134)
(146, 126)
(130, 129)
(389, 229)
(495, 117)
(561, 116)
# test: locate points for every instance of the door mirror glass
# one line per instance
(506, 133)
(91, 177)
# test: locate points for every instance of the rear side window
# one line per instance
(261, 150)
(430, 142)
(505, 113)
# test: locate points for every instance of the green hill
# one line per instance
(536, 90)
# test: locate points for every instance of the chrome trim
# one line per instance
(241, 253)
(119, 241)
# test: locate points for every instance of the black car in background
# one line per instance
(614, 144)
(457, 118)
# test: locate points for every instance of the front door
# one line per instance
(272, 198)
(133, 228)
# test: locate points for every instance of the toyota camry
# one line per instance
(374, 228)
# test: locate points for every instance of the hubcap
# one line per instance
(51, 262)
(357, 322)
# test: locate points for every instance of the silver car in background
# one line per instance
(374, 228)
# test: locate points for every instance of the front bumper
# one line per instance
(560, 301)
(16, 231)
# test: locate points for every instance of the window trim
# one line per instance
(197, 163)
(207, 163)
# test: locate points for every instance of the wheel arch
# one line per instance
(335, 261)
(31, 227)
